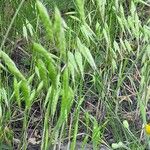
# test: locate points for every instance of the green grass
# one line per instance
(74, 71)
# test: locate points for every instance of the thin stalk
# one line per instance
(10, 26)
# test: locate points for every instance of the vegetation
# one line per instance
(74, 71)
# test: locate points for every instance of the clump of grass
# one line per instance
(88, 77)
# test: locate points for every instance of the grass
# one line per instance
(75, 75)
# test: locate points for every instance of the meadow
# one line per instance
(74, 73)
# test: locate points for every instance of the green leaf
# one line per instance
(32, 96)
(54, 102)
(86, 53)
(47, 99)
(71, 59)
(26, 93)
(11, 65)
(43, 72)
(50, 66)
(17, 91)
(78, 58)
(80, 6)
(88, 33)
(4, 96)
(60, 34)
(39, 88)
(44, 16)
(72, 71)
